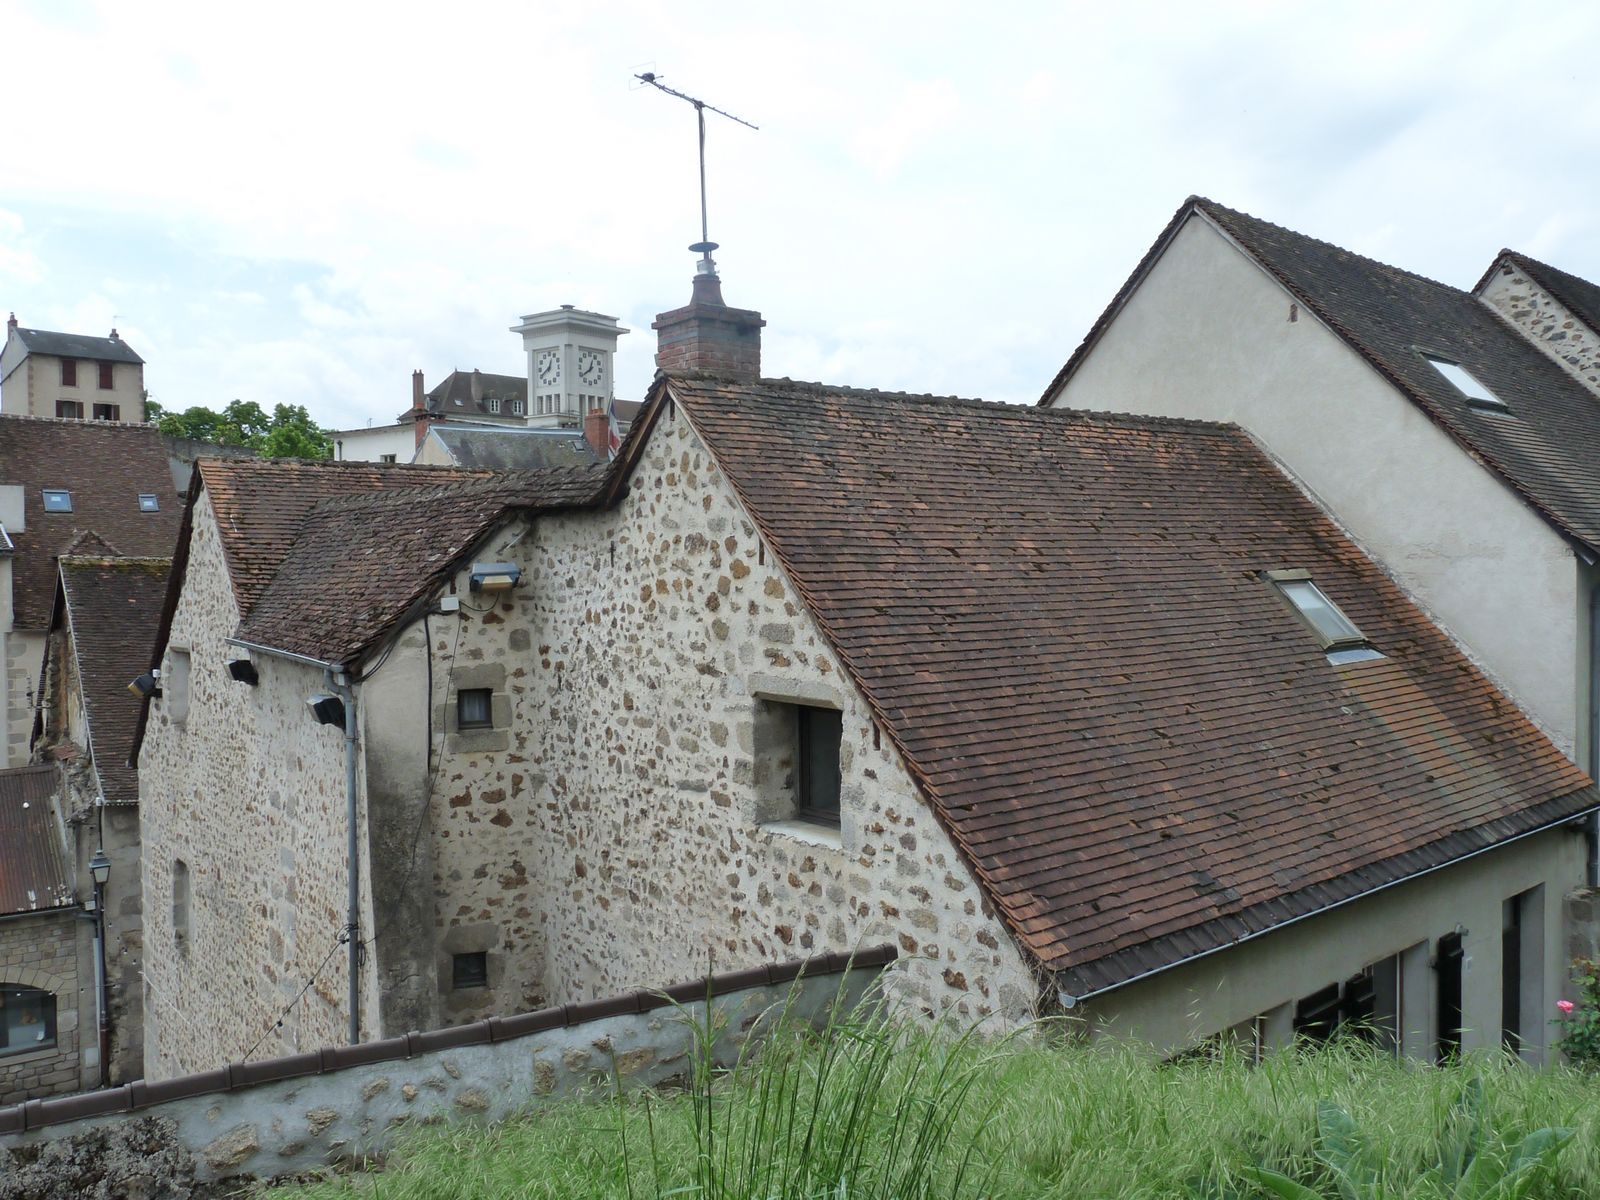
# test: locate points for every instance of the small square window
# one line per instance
(516, 408)
(57, 500)
(71, 409)
(69, 372)
(149, 502)
(388, 458)
(470, 970)
(475, 708)
(107, 412)
(105, 377)
(494, 404)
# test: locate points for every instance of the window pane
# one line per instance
(1466, 383)
(1327, 620)
(27, 1020)
(820, 732)
(470, 970)
(473, 708)
(148, 502)
(57, 500)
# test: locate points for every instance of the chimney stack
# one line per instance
(597, 432)
(12, 323)
(706, 337)
(418, 394)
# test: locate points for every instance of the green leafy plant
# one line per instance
(1473, 1164)
(1579, 1021)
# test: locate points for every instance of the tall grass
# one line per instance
(866, 1108)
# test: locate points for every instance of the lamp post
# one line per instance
(100, 872)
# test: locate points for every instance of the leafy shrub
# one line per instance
(1579, 1021)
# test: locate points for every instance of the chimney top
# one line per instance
(706, 337)
(114, 333)
(12, 323)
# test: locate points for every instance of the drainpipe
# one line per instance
(342, 685)
(1594, 718)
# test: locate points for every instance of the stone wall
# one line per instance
(283, 1117)
(1545, 321)
(24, 659)
(610, 831)
(248, 793)
(42, 952)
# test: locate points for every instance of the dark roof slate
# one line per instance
(513, 448)
(76, 345)
(105, 466)
(360, 563)
(113, 606)
(1135, 742)
(1547, 449)
(34, 873)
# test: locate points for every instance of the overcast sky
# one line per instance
(301, 202)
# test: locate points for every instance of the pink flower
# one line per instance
(1565, 1006)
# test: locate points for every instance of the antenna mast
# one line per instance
(705, 245)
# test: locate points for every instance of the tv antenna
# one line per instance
(705, 245)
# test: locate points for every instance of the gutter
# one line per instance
(1069, 1001)
(306, 660)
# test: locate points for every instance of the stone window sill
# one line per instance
(805, 831)
(24, 1057)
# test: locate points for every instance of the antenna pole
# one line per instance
(700, 116)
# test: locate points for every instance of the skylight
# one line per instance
(57, 500)
(1340, 638)
(1467, 384)
(148, 502)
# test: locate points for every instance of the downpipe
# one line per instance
(346, 691)
(1593, 873)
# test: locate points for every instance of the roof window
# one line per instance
(1340, 638)
(1468, 385)
(149, 502)
(57, 500)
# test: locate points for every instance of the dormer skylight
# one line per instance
(57, 500)
(1340, 638)
(1465, 382)
(149, 502)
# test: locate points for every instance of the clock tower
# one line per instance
(570, 355)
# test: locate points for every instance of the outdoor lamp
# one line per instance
(494, 576)
(328, 710)
(146, 685)
(243, 671)
(100, 867)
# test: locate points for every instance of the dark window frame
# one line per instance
(69, 372)
(107, 412)
(819, 735)
(486, 696)
(19, 996)
(149, 502)
(58, 506)
(69, 410)
(108, 379)
(469, 969)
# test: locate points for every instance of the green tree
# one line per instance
(288, 433)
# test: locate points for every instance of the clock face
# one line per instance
(548, 367)
(591, 367)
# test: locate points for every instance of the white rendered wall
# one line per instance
(1208, 335)
(370, 445)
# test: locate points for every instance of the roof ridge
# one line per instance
(1208, 205)
(113, 560)
(487, 483)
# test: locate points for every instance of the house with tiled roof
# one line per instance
(1454, 434)
(1096, 714)
(71, 375)
(69, 487)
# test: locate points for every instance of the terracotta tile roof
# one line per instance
(34, 872)
(106, 467)
(1580, 297)
(114, 605)
(261, 503)
(359, 564)
(1133, 739)
(1547, 450)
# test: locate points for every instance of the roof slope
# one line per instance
(106, 467)
(261, 503)
(1548, 450)
(114, 606)
(1136, 743)
(76, 345)
(1580, 297)
(512, 448)
(359, 563)
(34, 874)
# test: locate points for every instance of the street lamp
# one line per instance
(100, 872)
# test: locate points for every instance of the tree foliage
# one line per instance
(289, 432)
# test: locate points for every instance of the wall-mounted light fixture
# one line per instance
(328, 710)
(243, 671)
(495, 576)
(146, 685)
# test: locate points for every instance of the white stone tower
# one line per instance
(570, 356)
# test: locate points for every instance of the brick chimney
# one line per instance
(419, 395)
(597, 432)
(12, 323)
(706, 337)
(421, 417)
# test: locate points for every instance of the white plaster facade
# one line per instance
(1208, 334)
(376, 443)
(31, 385)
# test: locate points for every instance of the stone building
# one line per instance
(69, 487)
(1096, 713)
(70, 375)
(47, 1023)
(102, 627)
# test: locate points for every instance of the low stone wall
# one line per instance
(289, 1115)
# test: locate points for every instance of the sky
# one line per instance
(301, 203)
